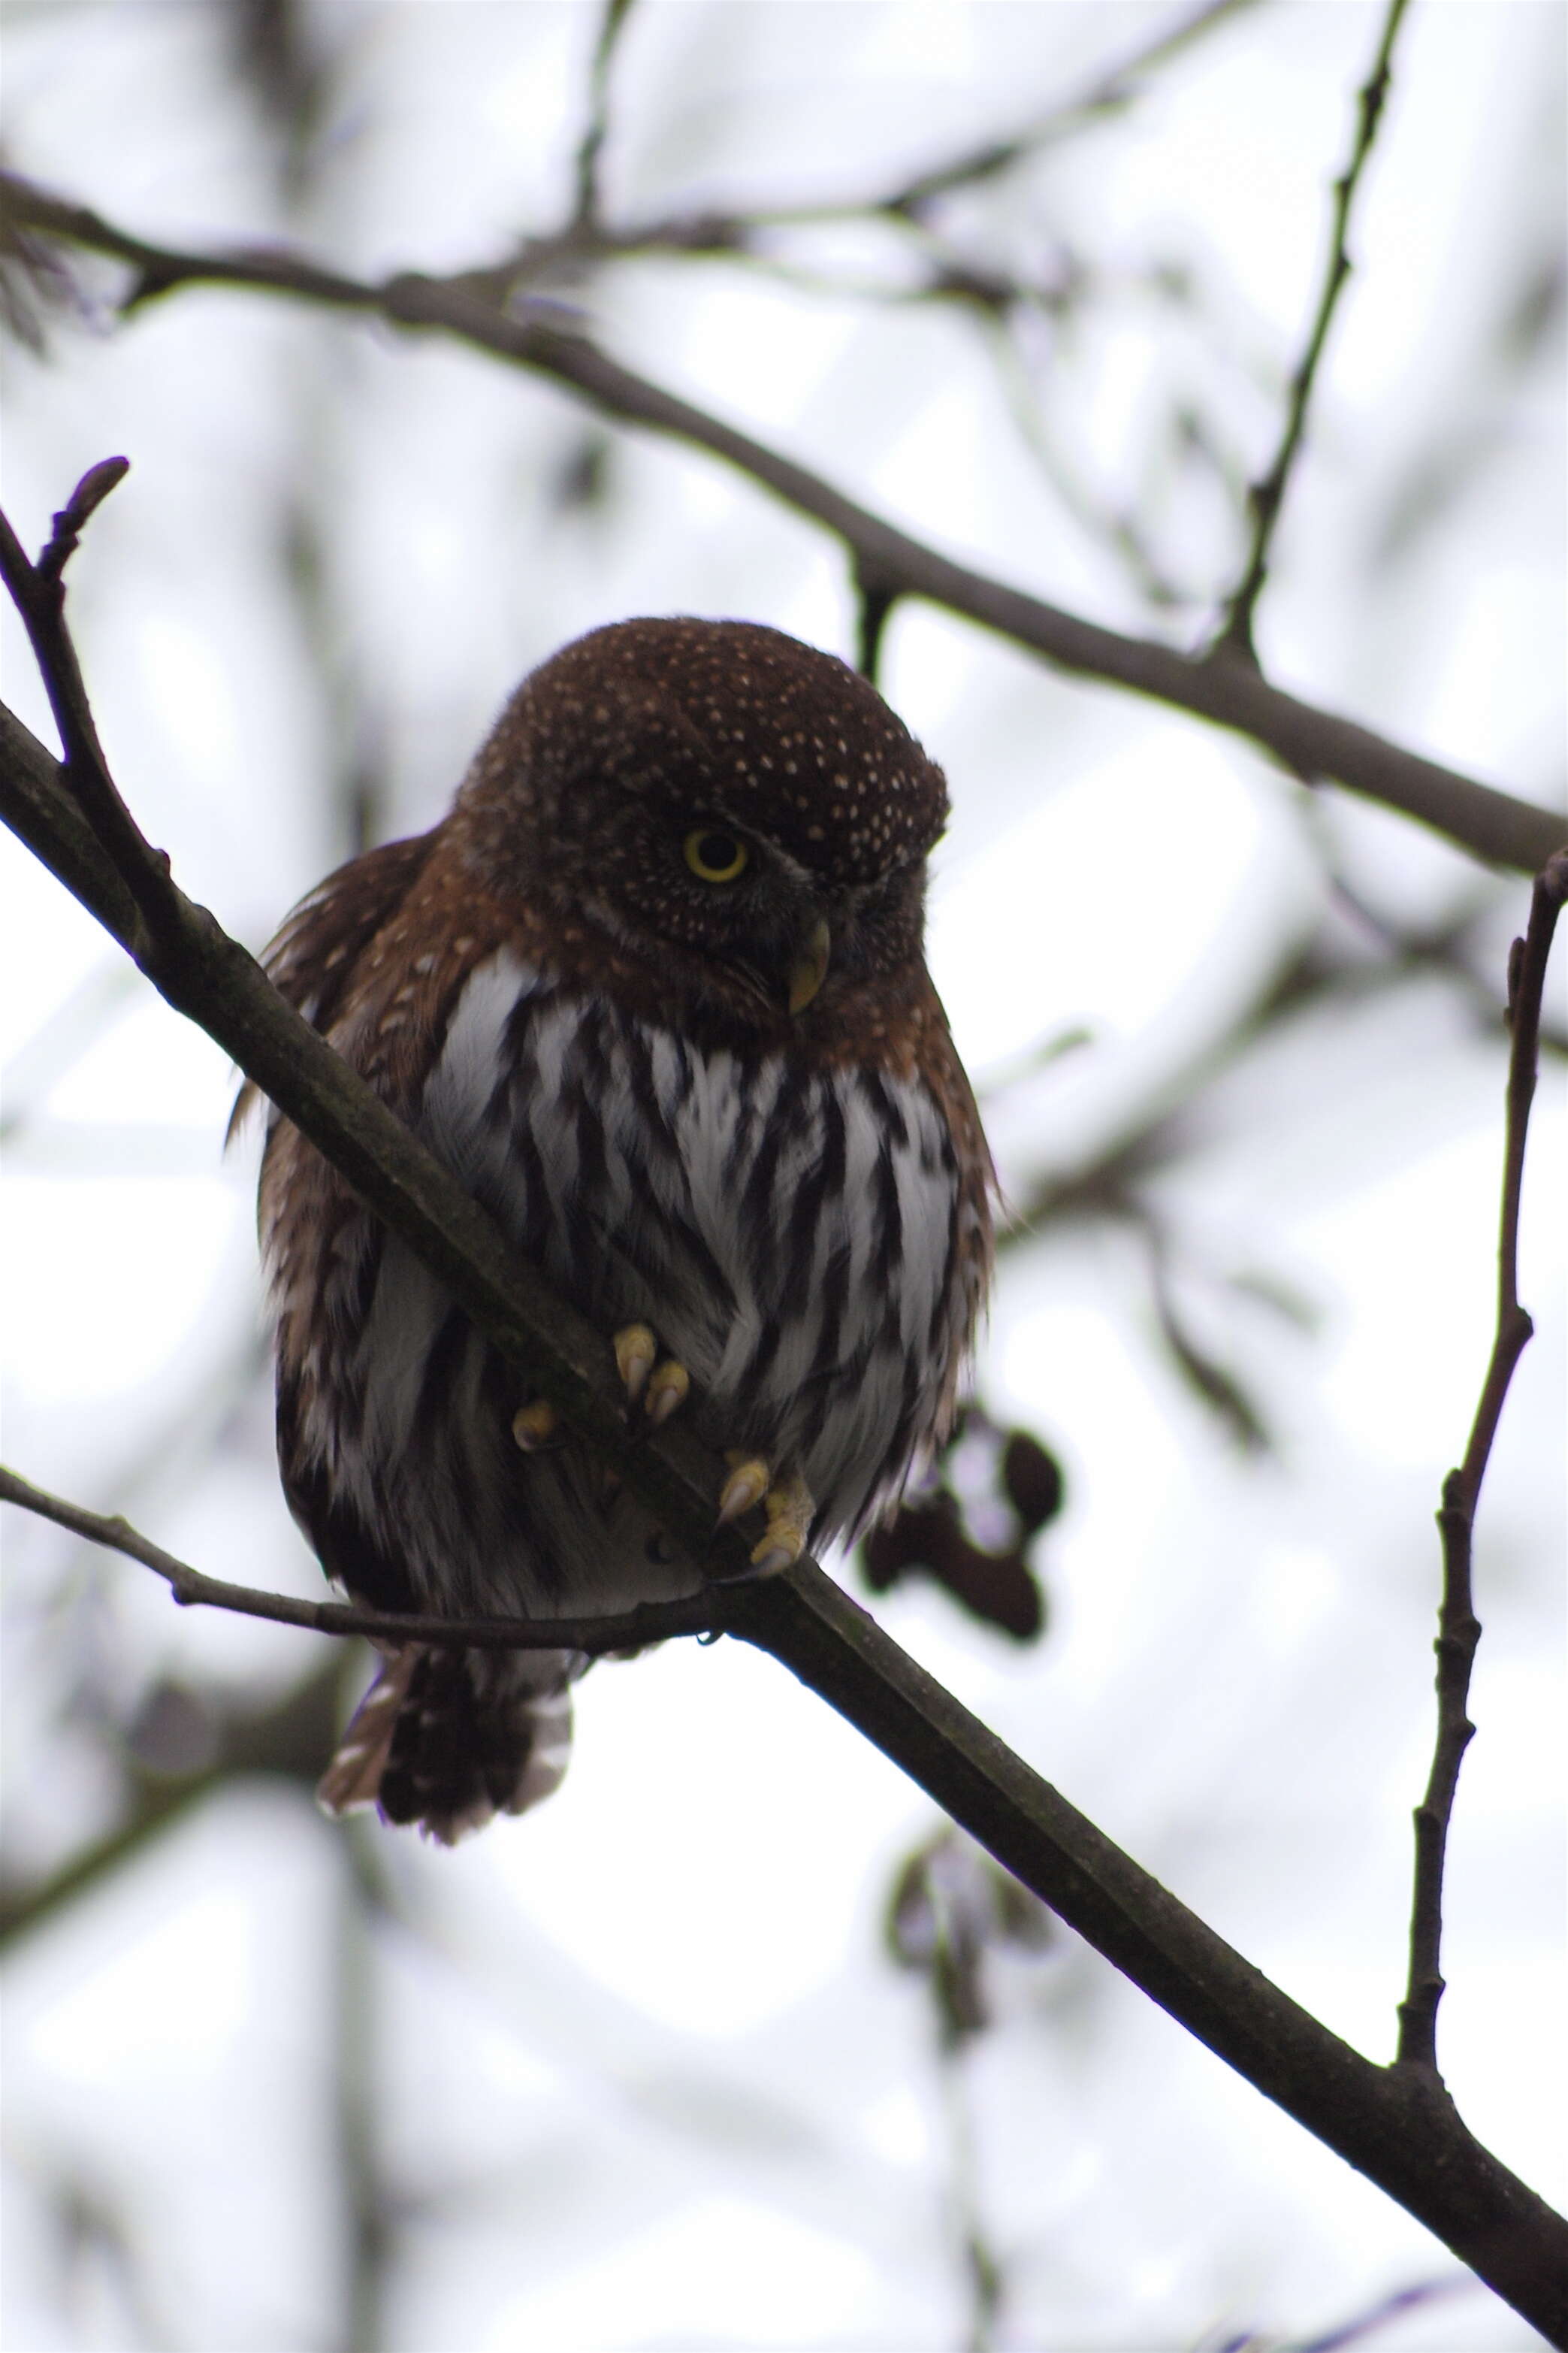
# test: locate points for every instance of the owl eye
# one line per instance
(714, 854)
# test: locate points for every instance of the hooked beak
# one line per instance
(809, 968)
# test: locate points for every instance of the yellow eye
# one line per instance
(714, 854)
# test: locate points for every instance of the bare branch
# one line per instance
(1397, 2125)
(38, 591)
(286, 1739)
(1266, 496)
(906, 204)
(77, 512)
(875, 597)
(1458, 1629)
(1378, 2315)
(1309, 742)
(651, 1623)
(586, 169)
(1110, 92)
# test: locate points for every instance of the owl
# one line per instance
(655, 991)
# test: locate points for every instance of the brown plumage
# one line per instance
(654, 990)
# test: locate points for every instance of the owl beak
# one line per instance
(809, 969)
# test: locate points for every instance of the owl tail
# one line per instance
(448, 1738)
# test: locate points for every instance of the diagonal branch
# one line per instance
(1396, 2125)
(1308, 740)
(1458, 1629)
(1266, 496)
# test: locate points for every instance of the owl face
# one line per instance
(716, 794)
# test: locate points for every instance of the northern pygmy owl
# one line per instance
(655, 990)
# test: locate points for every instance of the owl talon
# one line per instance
(635, 1349)
(747, 1483)
(667, 1391)
(533, 1426)
(790, 1511)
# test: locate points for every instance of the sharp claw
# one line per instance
(770, 1557)
(790, 1512)
(635, 1349)
(746, 1486)
(533, 1426)
(666, 1390)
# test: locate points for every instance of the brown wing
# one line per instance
(312, 958)
(312, 962)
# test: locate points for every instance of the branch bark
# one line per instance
(1266, 496)
(1459, 1628)
(473, 307)
(1396, 2124)
(192, 1588)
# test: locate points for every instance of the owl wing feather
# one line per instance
(444, 1737)
(310, 959)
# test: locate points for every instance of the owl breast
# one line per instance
(793, 1235)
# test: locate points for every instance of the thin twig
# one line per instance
(1308, 740)
(1111, 91)
(38, 591)
(1458, 1630)
(652, 1621)
(596, 130)
(1266, 495)
(1378, 2315)
(374, 2215)
(875, 597)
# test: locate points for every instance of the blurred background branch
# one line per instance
(1266, 495)
(1315, 742)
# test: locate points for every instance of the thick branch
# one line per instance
(1228, 690)
(1396, 2126)
(1458, 1629)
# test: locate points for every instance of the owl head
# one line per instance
(717, 795)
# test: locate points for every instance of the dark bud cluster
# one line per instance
(972, 1529)
(951, 1913)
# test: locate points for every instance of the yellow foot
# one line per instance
(790, 1512)
(533, 1426)
(635, 1349)
(666, 1390)
(657, 1387)
(789, 1509)
(747, 1483)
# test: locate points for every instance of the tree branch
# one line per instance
(1266, 496)
(596, 128)
(37, 592)
(288, 1739)
(1397, 2125)
(1458, 1629)
(652, 1621)
(1230, 691)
